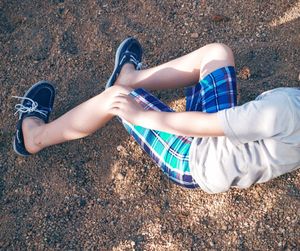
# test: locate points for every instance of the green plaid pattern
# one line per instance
(215, 92)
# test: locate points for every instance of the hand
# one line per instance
(127, 108)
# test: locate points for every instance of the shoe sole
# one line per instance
(26, 93)
(16, 150)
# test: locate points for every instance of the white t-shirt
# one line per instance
(261, 142)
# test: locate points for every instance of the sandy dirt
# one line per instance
(103, 192)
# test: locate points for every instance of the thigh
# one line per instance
(169, 151)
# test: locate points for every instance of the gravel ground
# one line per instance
(103, 192)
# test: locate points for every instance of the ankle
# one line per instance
(32, 129)
(126, 76)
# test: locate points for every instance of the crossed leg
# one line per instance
(181, 72)
(84, 119)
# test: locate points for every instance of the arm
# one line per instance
(197, 124)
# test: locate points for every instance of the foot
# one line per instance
(31, 128)
(126, 76)
(34, 109)
(128, 52)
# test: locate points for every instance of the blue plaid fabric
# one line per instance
(215, 92)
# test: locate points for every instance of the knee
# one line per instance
(118, 89)
(219, 46)
(216, 55)
(219, 50)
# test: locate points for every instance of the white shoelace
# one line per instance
(139, 66)
(133, 60)
(137, 63)
(25, 109)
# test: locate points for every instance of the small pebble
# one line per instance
(244, 73)
(119, 148)
(120, 176)
(194, 35)
(219, 18)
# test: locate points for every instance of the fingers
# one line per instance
(123, 99)
(116, 111)
(120, 104)
(125, 107)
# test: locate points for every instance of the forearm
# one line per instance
(197, 124)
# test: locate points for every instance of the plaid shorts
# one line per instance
(216, 91)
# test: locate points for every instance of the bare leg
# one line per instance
(93, 114)
(180, 72)
(77, 123)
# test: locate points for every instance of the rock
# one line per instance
(120, 148)
(120, 176)
(194, 35)
(82, 202)
(219, 18)
(61, 11)
(156, 208)
(244, 73)
(260, 230)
